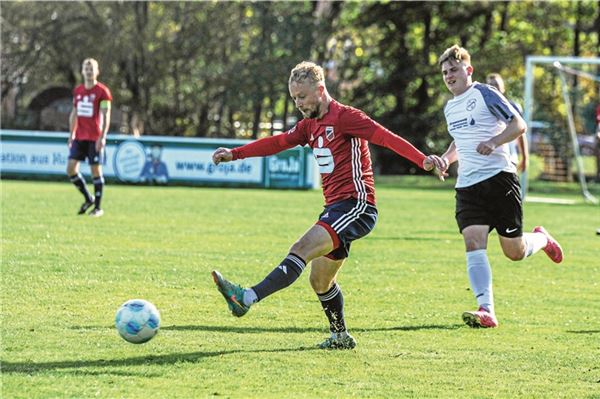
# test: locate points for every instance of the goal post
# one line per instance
(561, 65)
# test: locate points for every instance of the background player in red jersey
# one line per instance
(88, 124)
(339, 136)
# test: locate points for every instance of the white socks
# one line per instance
(249, 297)
(480, 276)
(534, 242)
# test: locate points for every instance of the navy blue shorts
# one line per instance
(82, 149)
(346, 221)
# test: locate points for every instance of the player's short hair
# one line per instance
(307, 71)
(498, 79)
(91, 61)
(457, 53)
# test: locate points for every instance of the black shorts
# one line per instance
(494, 202)
(82, 149)
(346, 221)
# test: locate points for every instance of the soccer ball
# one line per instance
(137, 321)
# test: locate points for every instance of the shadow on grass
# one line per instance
(224, 329)
(287, 330)
(94, 373)
(192, 357)
(406, 238)
(412, 328)
(584, 331)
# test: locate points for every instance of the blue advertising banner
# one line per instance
(158, 160)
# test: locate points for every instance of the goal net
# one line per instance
(561, 98)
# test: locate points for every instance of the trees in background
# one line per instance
(220, 69)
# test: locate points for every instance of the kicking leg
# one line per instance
(314, 243)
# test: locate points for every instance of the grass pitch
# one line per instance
(405, 286)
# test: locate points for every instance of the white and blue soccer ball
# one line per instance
(137, 321)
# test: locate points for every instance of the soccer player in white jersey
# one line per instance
(488, 195)
(517, 148)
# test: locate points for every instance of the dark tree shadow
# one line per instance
(405, 238)
(284, 330)
(412, 328)
(224, 329)
(192, 357)
(106, 371)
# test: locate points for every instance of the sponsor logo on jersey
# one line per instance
(329, 133)
(85, 108)
(457, 124)
(471, 104)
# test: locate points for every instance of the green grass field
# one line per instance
(405, 286)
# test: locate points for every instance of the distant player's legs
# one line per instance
(79, 182)
(314, 243)
(323, 275)
(98, 180)
(480, 276)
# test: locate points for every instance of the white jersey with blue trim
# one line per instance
(477, 115)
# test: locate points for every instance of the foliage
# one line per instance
(220, 68)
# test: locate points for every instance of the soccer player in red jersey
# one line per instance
(339, 136)
(88, 124)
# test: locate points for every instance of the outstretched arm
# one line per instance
(402, 147)
(357, 124)
(259, 148)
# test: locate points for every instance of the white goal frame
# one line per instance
(558, 63)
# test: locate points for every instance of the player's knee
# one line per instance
(319, 284)
(474, 245)
(301, 249)
(514, 254)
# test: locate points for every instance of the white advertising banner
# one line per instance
(157, 160)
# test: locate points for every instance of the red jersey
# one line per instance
(340, 145)
(87, 106)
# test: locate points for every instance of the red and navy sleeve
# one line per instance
(356, 123)
(272, 145)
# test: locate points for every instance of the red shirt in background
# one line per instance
(87, 106)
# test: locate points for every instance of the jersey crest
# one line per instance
(329, 133)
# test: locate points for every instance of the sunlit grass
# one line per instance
(405, 286)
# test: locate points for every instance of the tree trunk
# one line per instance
(257, 113)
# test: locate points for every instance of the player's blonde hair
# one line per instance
(91, 61)
(457, 53)
(307, 71)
